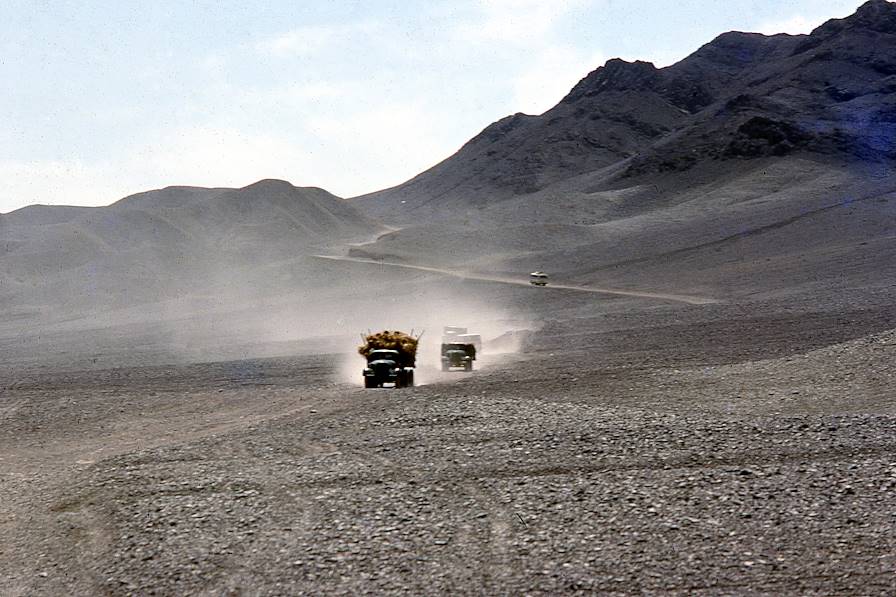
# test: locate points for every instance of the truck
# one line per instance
(459, 348)
(458, 355)
(391, 357)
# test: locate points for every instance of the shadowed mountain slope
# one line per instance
(759, 164)
(741, 96)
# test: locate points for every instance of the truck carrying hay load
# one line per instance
(391, 356)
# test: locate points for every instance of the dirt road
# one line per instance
(679, 298)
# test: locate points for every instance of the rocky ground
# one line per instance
(649, 448)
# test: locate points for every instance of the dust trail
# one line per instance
(680, 298)
(503, 333)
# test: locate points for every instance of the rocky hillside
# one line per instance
(740, 97)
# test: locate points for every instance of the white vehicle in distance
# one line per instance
(538, 279)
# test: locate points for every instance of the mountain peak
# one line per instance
(270, 184)
(738, 97)
(874, 15)
(501, 128)
(878, 15)
(616, 75)
(875, 7)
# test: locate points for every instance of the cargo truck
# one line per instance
(391, 357)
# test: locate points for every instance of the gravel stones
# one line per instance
(692, 476)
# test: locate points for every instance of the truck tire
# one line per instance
(409, 380)
(468, 366)
(444, 366)
(369, 382)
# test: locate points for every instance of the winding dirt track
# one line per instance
(678, 298)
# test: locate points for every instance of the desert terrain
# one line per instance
(606, 443)
(700, 402)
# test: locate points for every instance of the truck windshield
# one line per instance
(383, 355)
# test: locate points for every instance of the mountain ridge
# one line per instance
(733, 97)
(167, 242)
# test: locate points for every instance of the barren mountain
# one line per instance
(165, 243)
(743, 95)
(762, 157)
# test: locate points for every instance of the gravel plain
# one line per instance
(651, 449)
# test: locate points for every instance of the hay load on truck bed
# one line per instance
(391, 357)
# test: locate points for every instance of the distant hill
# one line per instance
(164, 243)
(742, 96)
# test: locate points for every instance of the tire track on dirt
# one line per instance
(498, 533)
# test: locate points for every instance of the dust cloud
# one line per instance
(502, 332)
(300, 307)
(326, 307)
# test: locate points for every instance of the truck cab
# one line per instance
(385, 366)
(458, 355)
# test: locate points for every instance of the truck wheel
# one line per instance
(444, 366)
(369, 382)
(410, 379)
(399, 379)
(468, 366)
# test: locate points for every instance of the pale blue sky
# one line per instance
(105, 99)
